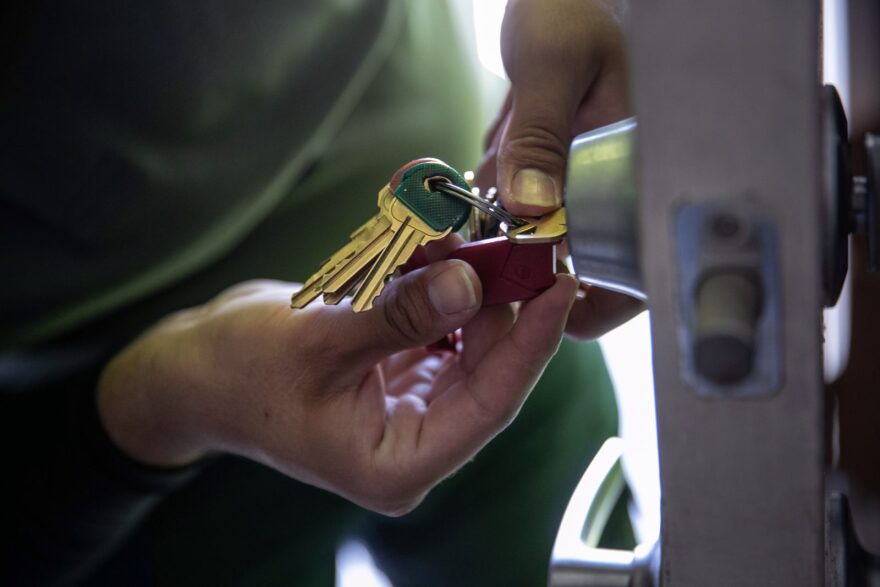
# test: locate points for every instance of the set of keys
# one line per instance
(427, 200)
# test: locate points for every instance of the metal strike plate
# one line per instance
(730, 301)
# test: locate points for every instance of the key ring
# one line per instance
(441, 184)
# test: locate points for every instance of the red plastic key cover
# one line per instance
(509, 272)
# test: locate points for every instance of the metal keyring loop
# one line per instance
(442, 185)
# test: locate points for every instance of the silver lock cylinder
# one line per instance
(601, 199)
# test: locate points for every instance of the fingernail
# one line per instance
(452, 291)
(536, 188)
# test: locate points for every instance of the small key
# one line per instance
(550, 228)
(410, 215)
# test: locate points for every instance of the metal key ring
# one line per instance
(441, 184)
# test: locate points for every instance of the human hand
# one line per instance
(349, 402)
(567, 69)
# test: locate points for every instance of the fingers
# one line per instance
(464, 418)
(246, 288)
(599, 311)
(414, 310)
(400, 363)
(517, 360)
(560, 83)
(422, 372)
(534, 147)
(479, 335)
(548, 83)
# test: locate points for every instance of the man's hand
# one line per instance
(567, 69)
(349, 402)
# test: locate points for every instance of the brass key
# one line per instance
(550, 228)
(361, 240)
(410, 214)
(409, 231)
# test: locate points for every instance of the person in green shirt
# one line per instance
(156, 155)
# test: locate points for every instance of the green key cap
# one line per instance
(436, 209)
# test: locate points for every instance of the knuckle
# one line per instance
(245, 288)
(535, 145)
(482, 409)
(498, 417)
(406, 310)
(532, 357)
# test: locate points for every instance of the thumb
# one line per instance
(549, 77)
(415, 310)
(533, 150)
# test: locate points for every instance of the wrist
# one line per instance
(143, 408)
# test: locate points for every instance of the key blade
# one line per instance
(333, 298)
(313, 286)
(305, 295)
(548, 229)
(361, 237)
(397, 252)
(344, 273)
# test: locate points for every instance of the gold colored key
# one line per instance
(366, 242)
(376, 250)
(550, 228)
(409, 232)
(350, 271)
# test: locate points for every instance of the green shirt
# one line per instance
(142, 145)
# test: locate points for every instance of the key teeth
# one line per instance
(363, 300)
(368, 305)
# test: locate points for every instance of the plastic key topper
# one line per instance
(508, 272)
(436, 209)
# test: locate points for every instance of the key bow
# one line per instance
(440, 211)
